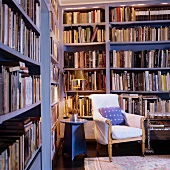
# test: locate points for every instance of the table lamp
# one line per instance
(78, 76)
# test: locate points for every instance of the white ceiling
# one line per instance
(80, 2)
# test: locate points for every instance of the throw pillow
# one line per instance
(114, 114)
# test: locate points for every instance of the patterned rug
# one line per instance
(149, 162)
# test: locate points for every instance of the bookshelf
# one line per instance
(135, 45)
(55, 69)
(20, 84)
(139, 62)
(83, 34)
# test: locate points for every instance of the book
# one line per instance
(156, 124)
(19, 68)
(1, 90)
(94, 34)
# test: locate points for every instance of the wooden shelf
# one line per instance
(141, 69)
(85, 69)
(12, 54)
(86, 91)
(54, 103)
(13, 114)
(54, 82)
(85, 24)
(140, 43)
(85, 44)
(160, 119)
(33, 157)
(54, 60)
(140, 92)
(159, 128)
(53, 36)
(138, 23)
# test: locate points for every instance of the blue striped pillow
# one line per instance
(114, 114)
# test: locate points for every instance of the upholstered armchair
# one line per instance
(112, 125)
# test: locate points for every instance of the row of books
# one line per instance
(53, 141)
(54, 114)
(140, 59)
(94, 80)
(54, 74)
(84, 105)
(84, 35)
(54, 4)
(140, 81)
(54, 93)
(53, 22)
(32, 9)
(18, 154)
(158, 108)
(85, 59)
(141, 105)
(140, 33)
(17, 88)
(153, 13)
(10, 161)
(144, 105)
(15, 33)
(53, 48)
(122, 14)
(125, 14)
(92, 16)
(130, 104)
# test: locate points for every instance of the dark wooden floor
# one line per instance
(123, 149)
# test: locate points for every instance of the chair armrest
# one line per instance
(98, 117)
(134, 120)
(101, 128)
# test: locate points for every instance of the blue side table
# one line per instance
(74, 137)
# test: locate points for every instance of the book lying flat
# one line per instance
(156, 125)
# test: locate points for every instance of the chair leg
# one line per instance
(110, 152)
(143, 147)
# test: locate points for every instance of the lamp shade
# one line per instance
(79, 75)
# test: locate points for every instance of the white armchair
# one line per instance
(108, 134)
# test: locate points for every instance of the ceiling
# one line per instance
(126, 2)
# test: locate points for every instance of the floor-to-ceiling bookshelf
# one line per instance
(55, 69)
(20, 87)
(139, 60)
(135, 42)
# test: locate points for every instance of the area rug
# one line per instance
(149, 162)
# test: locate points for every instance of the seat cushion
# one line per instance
(114, 114)
(122, 132)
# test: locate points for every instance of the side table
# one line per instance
(74, 137)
